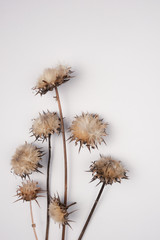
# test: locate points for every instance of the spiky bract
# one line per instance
(28, 191)
(108, 170)
(58, 211)
(88, 129)
(52, 77)
(46, 124)
(26, 160)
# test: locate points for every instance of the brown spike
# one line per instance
(68, 225)
(71, 213)
(37, 202)
(88, 148)
(17, 200)
(37, 170)
(80, 146)
(71, 205)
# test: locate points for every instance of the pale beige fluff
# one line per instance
(52, 77)
(46, 124)
(28, 191)
(108, 170)
(26, 160)
(88, 129)
(58, 212)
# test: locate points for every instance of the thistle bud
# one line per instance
(28, 191)
(59, 212)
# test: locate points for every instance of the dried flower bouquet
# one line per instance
(87, 129)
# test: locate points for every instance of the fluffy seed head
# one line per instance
(52, 77)
(28, 191)
(46, 124)
(26, 160)
(58, 211)
(108, 170)
(88, 129)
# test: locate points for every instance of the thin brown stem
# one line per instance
(48, 187)
(65, 155)
(33, 224)
(91, 212)
(63, 232)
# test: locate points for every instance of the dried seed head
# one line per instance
(88, 129)
(108, 170)
(46, 124)
(51, 78)
(58, 211)
(28, 191)
(26, 160)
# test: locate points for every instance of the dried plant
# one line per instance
(45, 125)
(27, 192)
(59, 212)
(51, 78)
(107, 171)
(26, 160)
(88, 129)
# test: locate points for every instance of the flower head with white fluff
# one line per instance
(45, 125)
(52, 77)
(26, 160)
(88, 129)
(28, 191)
(58, 211)
(108, 170)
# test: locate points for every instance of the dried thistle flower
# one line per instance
(46, 124)
(58, 211)
(88, 129)
(26, 160)
(52, 77)
(28, 191)
(108, 170)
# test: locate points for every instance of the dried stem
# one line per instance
(91, 212)
(63, 232)
(65, 156)
(33, 224)
(48, 187)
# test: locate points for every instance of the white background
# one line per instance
(113, 47)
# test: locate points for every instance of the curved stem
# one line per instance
(65, 155)
(48, 188)
(33, 224)
(91, 212)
